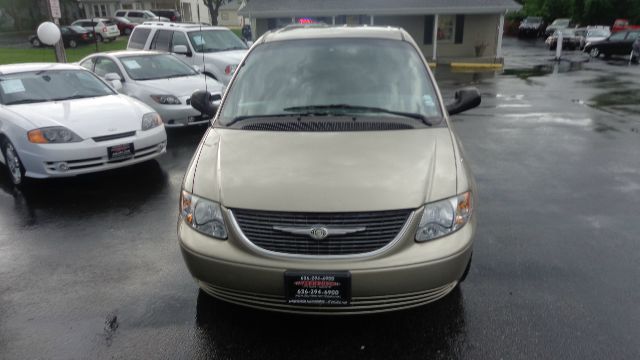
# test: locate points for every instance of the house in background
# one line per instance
(103, 8)
(445, 30)
(228, 15)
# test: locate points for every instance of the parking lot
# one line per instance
(90, 266)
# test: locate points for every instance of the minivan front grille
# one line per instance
(380, 229)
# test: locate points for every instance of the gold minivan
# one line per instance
(331, 180)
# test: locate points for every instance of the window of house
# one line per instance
(446, 28)
(96, 10)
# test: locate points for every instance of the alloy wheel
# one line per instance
(13, 163)
(595, 52)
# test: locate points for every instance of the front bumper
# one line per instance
(88, 156)
(180, 115)
(408, 274)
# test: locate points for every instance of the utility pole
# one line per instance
(53, 6)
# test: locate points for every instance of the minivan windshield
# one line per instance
(376, 77)
(50, 85)
(215, 40)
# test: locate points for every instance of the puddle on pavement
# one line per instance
(543, 70)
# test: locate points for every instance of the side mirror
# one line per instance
(466, 99)
(181, 50)
(202, 101)
(114, 79)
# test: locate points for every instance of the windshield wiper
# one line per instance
(26, 101)
(321, 109)
(73, 97)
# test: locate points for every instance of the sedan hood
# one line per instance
(326, 171)
(88, 117)
(181, 86)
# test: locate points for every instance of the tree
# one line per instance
(214, 6)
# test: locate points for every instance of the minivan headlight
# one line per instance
(52, 135)
(444, 217)
(202, 215)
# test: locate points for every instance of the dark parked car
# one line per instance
(570, 40)
(532, 26)
(171, 14)
(72, 36)
(619, 43)
(124, 25)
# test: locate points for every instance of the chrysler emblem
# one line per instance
(319, 232)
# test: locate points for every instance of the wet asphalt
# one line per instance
(90, 266)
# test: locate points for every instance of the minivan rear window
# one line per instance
(138, 38)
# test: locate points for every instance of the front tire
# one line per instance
(14, 165)
(594, 52)
(36, 42)
(73, 44)
(99, 37)
(127, 32)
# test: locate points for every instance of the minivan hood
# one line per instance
(89, 117)
(181, 86)
(326, 171)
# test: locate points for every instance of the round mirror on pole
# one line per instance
(48, 33)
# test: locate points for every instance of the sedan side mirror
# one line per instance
(466, 99)
(202, 101)
(181, 50)
(114, 79)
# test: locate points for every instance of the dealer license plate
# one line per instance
(318, 288)
(120, 152)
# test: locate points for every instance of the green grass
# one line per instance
(46, 54)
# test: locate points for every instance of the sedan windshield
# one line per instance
(50, 85)
(152, 67)
(215, 40)
(379, 78)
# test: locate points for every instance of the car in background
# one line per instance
(139, 16)
(105, 29)
(619, 43)
(623, 25)
(160, 80)
(125, 26)
(532, 26)
(60, 120)
(635, 51)
(328, 184)
(172, 14)
(72, 36)
(570, 40)
(557, 24)
(215, 50)
(594, 34)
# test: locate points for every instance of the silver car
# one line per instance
(332, 180)
(159, 80)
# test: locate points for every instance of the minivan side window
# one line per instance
(138, 38)
(135, 14)
(121, 13)
(161, 40)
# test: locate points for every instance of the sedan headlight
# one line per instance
(166, 99)
(53, 135)
(151, 120)
(444, 217)
(202, 215)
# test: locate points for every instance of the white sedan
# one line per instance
(61, 120)
(160, 80)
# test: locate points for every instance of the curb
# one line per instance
(475, 66)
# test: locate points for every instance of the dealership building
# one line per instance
(445, 30)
